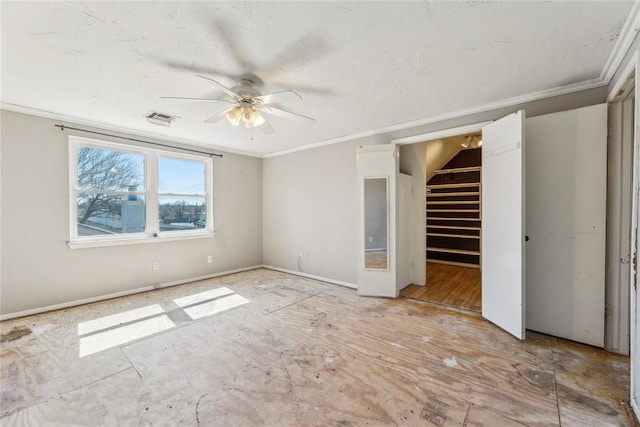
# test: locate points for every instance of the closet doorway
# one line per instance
(453, 227)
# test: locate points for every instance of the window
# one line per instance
(181, 194)
(122, 194)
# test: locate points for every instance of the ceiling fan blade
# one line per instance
(193, 68)
(266, 128)
(302, 87)
(230, 38)
(223, 101)
(218, 116)
(285, 95)
(295, 55)
(279, 112)
(221, 86)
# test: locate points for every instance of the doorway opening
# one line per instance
(619, 217)
(453, 223)
(623, 217)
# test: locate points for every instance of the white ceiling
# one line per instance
(359, 66)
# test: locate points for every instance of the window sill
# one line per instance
(130, 240)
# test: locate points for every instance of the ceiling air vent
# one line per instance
(161, 119)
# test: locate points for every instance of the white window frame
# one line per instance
(152, 231)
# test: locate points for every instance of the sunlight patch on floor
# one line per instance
(117, 319)
(121, 328)
(121, 335)
(202, 296)
(216, 306)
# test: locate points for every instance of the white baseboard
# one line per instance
(634, 405)
(312, 276)
(207, 276)
(121, 294)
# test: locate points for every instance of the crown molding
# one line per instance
(496, 105)
(482, 108)
(106, 126)
(623, 43)
(320, 144)
(624, 76)
(505, 103)
(441, 134)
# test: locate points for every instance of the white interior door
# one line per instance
(566, 207)
(377, 189)
(503, 282)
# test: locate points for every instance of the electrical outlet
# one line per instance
(209, 259)
(155, 265)
(370, 239)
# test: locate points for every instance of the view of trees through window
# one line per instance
(181, 193)
(111, 192)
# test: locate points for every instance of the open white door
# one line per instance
(566, 188)
(503, 284)
(377, 178)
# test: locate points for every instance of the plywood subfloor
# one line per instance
(279, 350)
(449, 285)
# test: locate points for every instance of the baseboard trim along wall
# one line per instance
(312, 276)
(121, 294)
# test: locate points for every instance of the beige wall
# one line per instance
(265, 211)
(39, 269)
(310, 201)
(310, 207)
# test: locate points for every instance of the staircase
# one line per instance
(454, 211)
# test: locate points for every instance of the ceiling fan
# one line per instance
(247, 104)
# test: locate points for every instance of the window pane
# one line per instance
(104, 214)
(103, 169)
(182, 213)
(180, 176)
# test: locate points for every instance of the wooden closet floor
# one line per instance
(450, 285)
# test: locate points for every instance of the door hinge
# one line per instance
(606, 310)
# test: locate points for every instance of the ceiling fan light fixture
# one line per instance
(234, 115)
(251, 118)
(246, 104)
(259, 120)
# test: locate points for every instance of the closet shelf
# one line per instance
(442, 218)
(454, 185)
(458, 236)
(453, 210)
(453, 251)
(457, 205)
(455, 202)
(458, 170)
(454, 227)
(463, 193)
